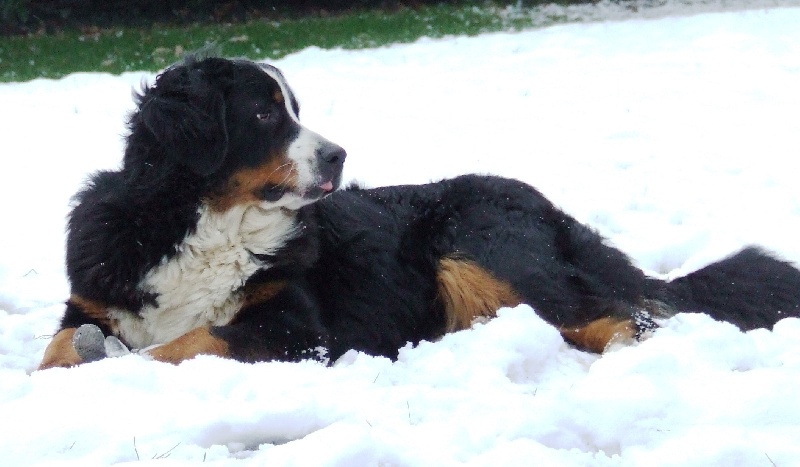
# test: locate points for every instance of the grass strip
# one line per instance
(124, 49)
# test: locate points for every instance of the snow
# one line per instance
(676, 137)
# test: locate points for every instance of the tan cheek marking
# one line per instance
(196, 342)
(467, 291)
(245, 185)
(60, 352)
(597, 335)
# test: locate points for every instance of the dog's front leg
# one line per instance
(196, 342)
(599, 335)
(284, 324)
(69, 348)
(60, 352)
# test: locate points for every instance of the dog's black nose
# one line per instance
(332, 154)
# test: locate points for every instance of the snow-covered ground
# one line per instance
(676, 137)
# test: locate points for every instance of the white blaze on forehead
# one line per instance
(287, 94)
(303, 149)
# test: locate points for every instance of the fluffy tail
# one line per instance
(750, 289)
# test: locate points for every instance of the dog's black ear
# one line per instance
(185, 112)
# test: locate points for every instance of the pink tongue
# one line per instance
(327, 186)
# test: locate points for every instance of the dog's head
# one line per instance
(234, 125)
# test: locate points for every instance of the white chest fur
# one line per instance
(201, 284)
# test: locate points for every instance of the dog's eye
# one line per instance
(264, 116)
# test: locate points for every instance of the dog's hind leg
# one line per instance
(467, 291)
(598, 335)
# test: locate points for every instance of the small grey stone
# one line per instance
(89, 342)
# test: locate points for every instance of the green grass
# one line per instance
(123, 49)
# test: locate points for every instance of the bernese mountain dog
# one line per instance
(223, 233)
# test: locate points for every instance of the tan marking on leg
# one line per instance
(92, 309)
(196, 342)
(60, 352)
(468, 291)
(245, 186)
(599, 334)
(261, 293)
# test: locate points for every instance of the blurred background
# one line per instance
(37, 16)
(52, 38)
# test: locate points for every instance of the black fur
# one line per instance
(362, 274)
(126, 222)
(379, 246)
(749, 289)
